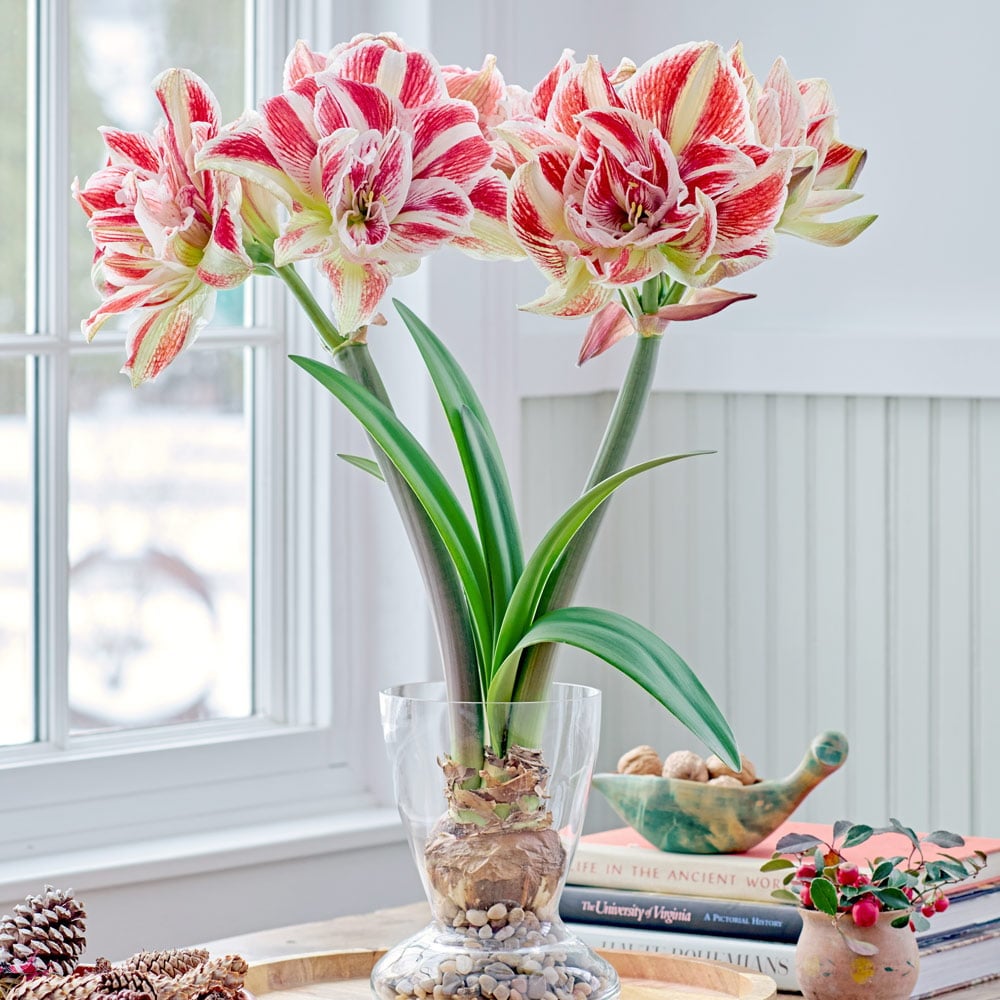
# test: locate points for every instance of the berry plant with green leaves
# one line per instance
(820, 876)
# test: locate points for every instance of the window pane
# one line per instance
(159, 533)
(17, 682)
(13, 166)
(117, 48)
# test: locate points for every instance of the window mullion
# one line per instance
(49, 373)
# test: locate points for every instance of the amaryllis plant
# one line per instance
(635, 191)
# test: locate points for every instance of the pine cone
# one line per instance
(217, 978)
(57, 988)
(171, 963)
(122, 979)
(51, 928)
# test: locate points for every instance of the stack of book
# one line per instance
(623, 893)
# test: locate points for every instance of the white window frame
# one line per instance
(302, 776)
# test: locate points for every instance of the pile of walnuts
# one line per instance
(688, 766)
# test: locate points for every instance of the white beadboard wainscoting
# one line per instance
(836, 564)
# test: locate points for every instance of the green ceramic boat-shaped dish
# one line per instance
(695, 818)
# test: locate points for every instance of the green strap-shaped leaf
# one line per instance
(368, 465)
(424, 478)
(495, 517)
(482, 461)
(639, 654)
(530, 587)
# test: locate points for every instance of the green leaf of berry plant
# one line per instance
(824, 895)
(942, 838)
(776, 864)
(858, 834)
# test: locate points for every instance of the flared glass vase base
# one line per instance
(497, 956)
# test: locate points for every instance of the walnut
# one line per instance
(640, 760)
(726, 781)
(685, 764)
(718, 768)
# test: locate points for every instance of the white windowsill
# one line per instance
(100, 868)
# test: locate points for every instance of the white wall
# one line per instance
(835, 565)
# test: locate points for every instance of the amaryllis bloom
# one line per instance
(801, 115)
(167, 234)
(375, 162)
(659, 175)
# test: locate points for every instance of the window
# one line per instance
(162, 666)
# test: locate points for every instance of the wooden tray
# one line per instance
(343, 975)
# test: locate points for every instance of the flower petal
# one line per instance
(783, 91)
(541, 96)
(831, 234)
(536, 211)
(607, 327)
(577, 296)
(132, 149)
(436, 210)
(243, 150)
(357, 290)
(491, 237)
(447, 142)
(162, 334)
(225, 263)
(690, 93)
(307, 234)
(413, 77)
(751, 208)
(302, 62)
(581, 88)
(185, 99)
(841, 166)
(701, 302)
(484, 88)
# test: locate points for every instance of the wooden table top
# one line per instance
(385, 928)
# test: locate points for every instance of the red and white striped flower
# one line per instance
(802, 116)
(375, 162)
(660, 174)
(167, 235)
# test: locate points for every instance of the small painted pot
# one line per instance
(827, 969)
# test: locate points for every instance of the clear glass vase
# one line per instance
(492, 846)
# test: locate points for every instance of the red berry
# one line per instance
(864, 913)
(806, 896)
(806, 870)
(848, 874)
(863, 879)
(941, 904)
(928, 910)
(913, 926)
